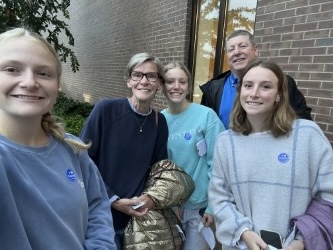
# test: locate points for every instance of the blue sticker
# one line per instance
(187, 136)
(70, 175)
(283, 158)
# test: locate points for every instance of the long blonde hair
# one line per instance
(49, 123)
(280, 120)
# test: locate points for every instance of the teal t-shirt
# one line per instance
(186, 129)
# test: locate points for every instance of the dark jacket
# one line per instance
(213, 89)
(316, 225)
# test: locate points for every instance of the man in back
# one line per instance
(220, 92)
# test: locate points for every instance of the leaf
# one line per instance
(41, 16)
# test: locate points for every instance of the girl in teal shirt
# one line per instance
(192, 132)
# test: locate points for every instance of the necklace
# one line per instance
(140, 126)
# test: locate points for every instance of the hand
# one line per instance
(149, 203)
(178, 212)
(207, 219)
(253, 241)
(295, 245)
(124, 206)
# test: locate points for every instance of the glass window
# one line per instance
(214, 21)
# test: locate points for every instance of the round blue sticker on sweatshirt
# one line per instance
(187, 136)
(70, 175)
(283, 158)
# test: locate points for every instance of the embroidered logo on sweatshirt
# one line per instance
(70, 175)
(283, 157)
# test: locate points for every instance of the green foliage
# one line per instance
(43, 17)
(72, 113)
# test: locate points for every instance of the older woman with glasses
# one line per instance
(127, 137)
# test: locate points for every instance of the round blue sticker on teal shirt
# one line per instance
(187, 136)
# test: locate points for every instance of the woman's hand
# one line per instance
(149, 203)
(125, 206)
(295, 245)
(207, 219)
(253, 241)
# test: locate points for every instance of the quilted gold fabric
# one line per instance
(168, 186)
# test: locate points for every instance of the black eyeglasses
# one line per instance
(151, 76)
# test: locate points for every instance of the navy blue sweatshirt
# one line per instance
(121, 152)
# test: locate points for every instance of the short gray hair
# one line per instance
(236, 33)
(141, 58)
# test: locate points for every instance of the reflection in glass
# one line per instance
(206, 44)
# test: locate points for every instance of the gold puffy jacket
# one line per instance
(168, 186)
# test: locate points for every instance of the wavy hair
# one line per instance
(49, 122)
(281, 118)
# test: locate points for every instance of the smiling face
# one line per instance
(28, 78)
(176, 86)
(259, 93)
(241, 53)
(143, 90)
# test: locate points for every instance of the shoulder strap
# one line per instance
(156, 117)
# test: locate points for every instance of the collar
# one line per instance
(232, 80)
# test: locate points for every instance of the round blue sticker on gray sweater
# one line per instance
(70, 175)
(283, 157)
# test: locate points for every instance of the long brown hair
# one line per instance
(281, 118)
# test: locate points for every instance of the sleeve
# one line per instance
(168, 185)
(160, 151)
(92, 131)
(100, 232)
(204, 99)
(230, 223)
(323, 187)
(297, 100)
(214, 128)
(13, 234)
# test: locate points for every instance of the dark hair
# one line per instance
(280, 120)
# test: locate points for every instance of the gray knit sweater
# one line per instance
(260, 182)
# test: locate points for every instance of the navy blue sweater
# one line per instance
(121, 152)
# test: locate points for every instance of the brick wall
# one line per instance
(107, 33)
(299, 36)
